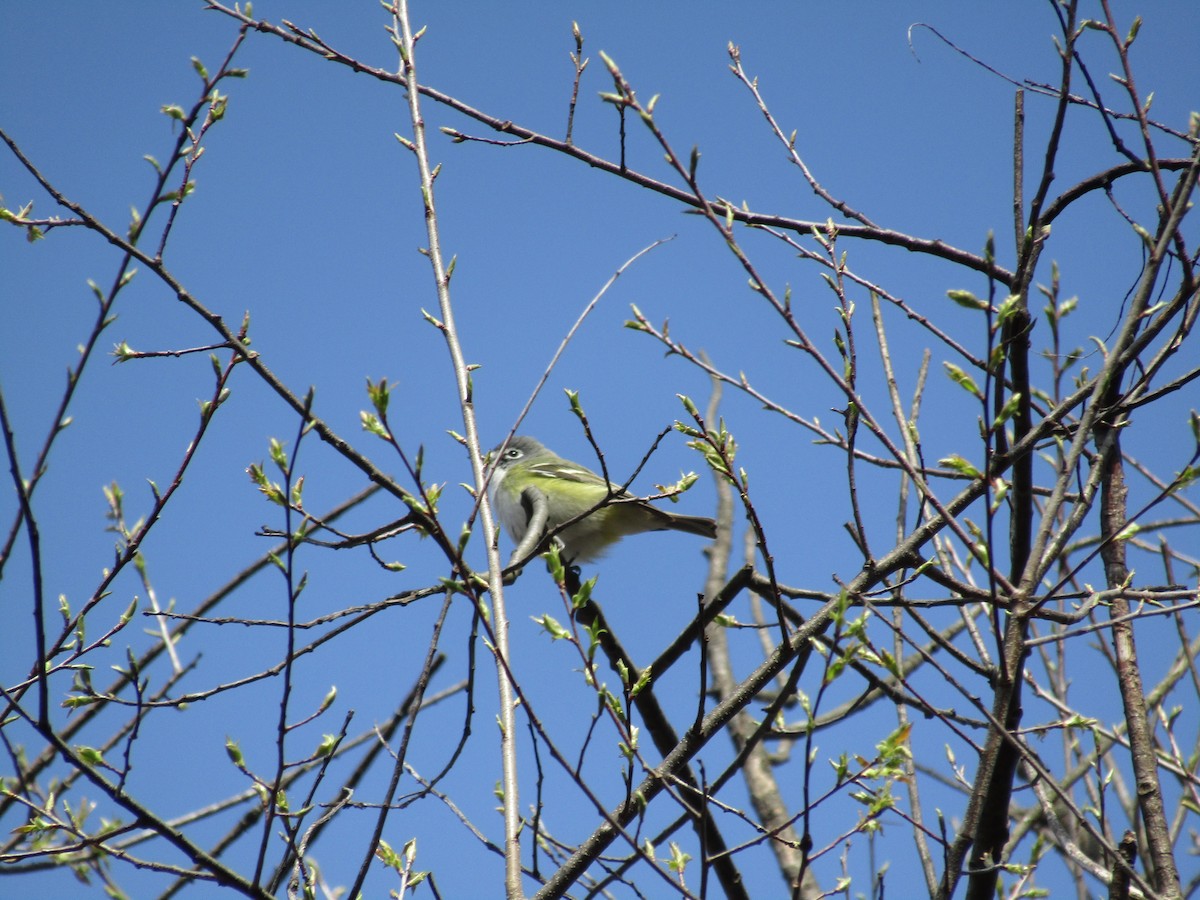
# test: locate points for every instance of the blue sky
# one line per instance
(307, 214)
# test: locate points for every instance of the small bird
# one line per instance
(571, 490)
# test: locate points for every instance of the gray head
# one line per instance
(519, 447)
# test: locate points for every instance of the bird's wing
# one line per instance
(572, 472)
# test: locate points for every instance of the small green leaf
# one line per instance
(1008, 410)
(679, 859)
(962, 379)
(371, 423)
(960, 465)
(277, 453)
(327, 700)
(1133, 31)
(388, 856)
(552, 627)
(1127, 532)
(999, 492)
(1007, 308)
(554, 563)
(90, 755)
(966, 299)
(644, 679)
(328, 742)
(79, 702)
(380, 394)
(582, 598)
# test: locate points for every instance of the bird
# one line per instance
(524, 464)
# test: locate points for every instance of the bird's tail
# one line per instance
(700, 525)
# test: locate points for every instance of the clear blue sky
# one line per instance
(307, 214)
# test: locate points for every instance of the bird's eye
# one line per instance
(512, 453)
